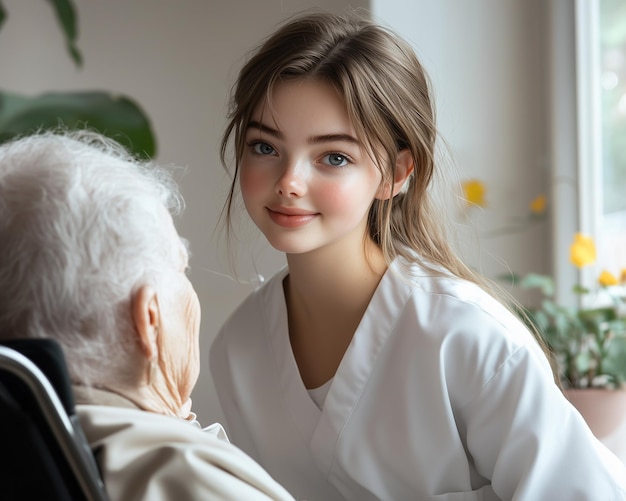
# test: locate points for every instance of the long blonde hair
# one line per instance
(389, 101)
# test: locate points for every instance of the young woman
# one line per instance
(376, 365)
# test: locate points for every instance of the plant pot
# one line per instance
(603, 409)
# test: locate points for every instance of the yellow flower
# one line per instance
(582, 251)
(606, 279)
(622, 278)
(538, 205)
(474, 192)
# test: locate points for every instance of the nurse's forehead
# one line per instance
(319, 95)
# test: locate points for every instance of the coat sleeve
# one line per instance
(523, 434)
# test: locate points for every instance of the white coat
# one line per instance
(152, 457)
(442, 394)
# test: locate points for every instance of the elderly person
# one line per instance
(89, 256)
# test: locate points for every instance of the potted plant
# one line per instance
(587, 341)
(118, 117)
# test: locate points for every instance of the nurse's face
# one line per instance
(306, 180)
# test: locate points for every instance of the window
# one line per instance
(601, 104)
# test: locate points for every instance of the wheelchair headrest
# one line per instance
(47, 355)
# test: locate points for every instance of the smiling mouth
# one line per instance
(291, 220)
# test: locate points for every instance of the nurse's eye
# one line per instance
(336, 159)
(261, 148)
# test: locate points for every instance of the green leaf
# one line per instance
(582, 362)
(537, 281)
(618, 327)
(115, 116)
(563, 325)
(541, 321)
(579, 289)
(66, 16)
(551, 308)
(616, 362)
(597, 315)
(3, 14)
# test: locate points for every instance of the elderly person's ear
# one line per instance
(146, 319)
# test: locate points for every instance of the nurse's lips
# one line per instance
(290, 217)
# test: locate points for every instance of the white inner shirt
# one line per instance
(318, 395)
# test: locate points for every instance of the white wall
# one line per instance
(178, 59)
(487, 60)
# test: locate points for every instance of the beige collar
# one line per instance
(84, 395)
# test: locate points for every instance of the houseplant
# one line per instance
(587, 340)
(118, 117)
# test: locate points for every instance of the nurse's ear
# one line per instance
(404, 168)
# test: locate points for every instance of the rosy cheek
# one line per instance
(251, 183)
(340, 195)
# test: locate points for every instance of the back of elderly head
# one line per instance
(84, 227)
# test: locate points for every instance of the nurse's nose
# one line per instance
(293, 180)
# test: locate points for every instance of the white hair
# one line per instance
(81, 229)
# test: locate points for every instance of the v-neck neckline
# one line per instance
(321, 428)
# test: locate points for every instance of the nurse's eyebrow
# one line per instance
(253, 124)
(324, 138)
(332, 138)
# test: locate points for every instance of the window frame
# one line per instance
(576, 138)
